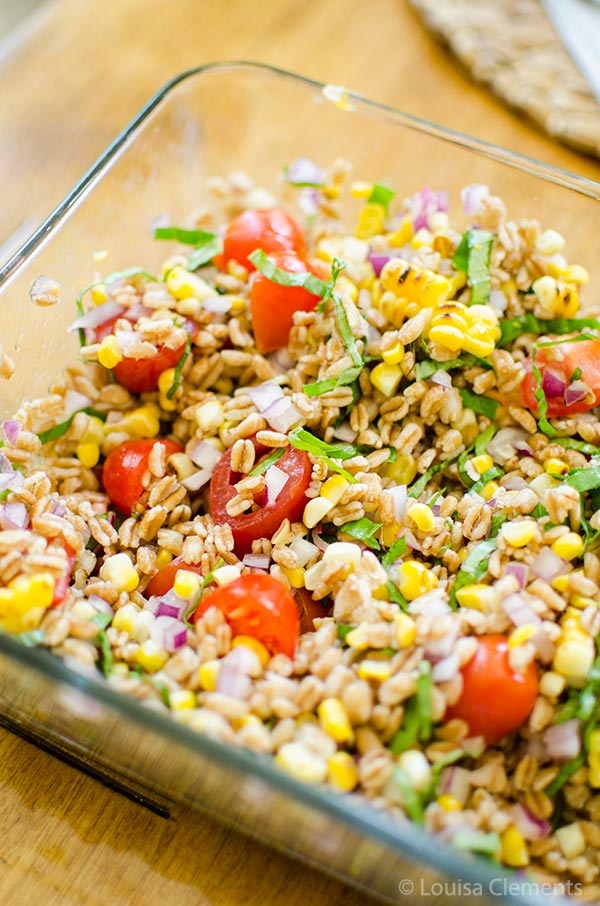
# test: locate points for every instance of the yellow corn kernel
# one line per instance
(166, 404)
(254, 645)
(209, 416)
(361, 189)
(556, 296)
(99, 294)
(374, 670)
(489, 490)
(371, 221)
(386, 378)
(181, 283)
(402, 235)
(581, 602)
(346, 286)
(333, 489)
(577, 274)
(555, 466)
(109, 353)
(406, 629)
(315, 510)
(94, 431)
(357, 638)
(208, 673)
(413, 283)
(519, 534)
(186, 584)
(422, 516)
(448, 336)
(521, 634)
(514, 849)
(342, 772)
(403, 470)
(443, 244)
(143, 421)
(389, 533)
(182, 699)
(165, 380)
(571, 840)
(449, 803)
(119, 571)
(334, 720)
(422, 237)
(574, 654)
(123, 618)
(594, 742)
(456, 283)
(183, 465)
(301, 762)
(478, 342)
(393, 355)
(549, 243)
(594, 770)
(478, 597)
(88, 454)
(150, 657)
(482, 463)
(561, 583)
(568, 546)
(414, 579)
(551, 684)
(294, 576)
(163, 557)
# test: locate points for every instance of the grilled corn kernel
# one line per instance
(521, 634)
(333, 489)
(449, 803)
(209, 416)
(448, 336)
(119, 571)
(568, 546)
(165, 380)
(254, 645)
(371, 221)
(186, 584)
(163, 557)
(342, 772)
(334, 720)
(415, 764)
(561, 583)
(413, 283)
(226, 574)
(482, 463)
(514, 849)
(478, 597)
(422, 516)
(393, 355)
(301, 762)
(342, 552)
(151, 657)
(571, 840)
(143, 422)
(208, 673)
(414, 579)
(182, 699)
(519, 534)
(406, 629)
(374, 670)
(555, 466)
(386, 378)
(490, 490)
(88, 454)
(294, 576)
(123, 619)
(402, 235)
(403, 470)
(315, 510)
(181, 283)
(556, 296)
(109, 353)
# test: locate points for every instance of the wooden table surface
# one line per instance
(70, 78)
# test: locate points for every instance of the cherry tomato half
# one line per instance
(563, 361)
(310, 610)
(273, 305)
(259, 606)
(496, 699)
(265, 521)
(141, 375)
(124, 469)
(163, 580)
(271, 230)
(61, 585)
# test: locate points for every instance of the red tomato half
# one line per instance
(265, 521)
(496, 699)
(259, 606)
(273, 305)
(562, 361)
(163, 580)
(61, 585)
(124, 469)
(271, 230)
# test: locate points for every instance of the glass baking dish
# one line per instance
(208, 122)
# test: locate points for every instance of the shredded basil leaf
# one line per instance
(363, 530)
(584, 479)
(186, 237)
(411, 801)
(539, 511)
(305, 279)
(513, 328)
(346, 334)
(304, 440)
(419, 486)
(101, 620)
(398, 548)
(571, 444)
(476, 841)
(424, 689)
(543, 423)
(105, 652)
(343, 629)
(483, 405)
(264, 464)
(30, 639)
(565, 773)
(427, 368)
(473, 569)
(204, 253)
(179, 367)
(575, 375)
(381, 195)
(498, 520)
(208, 578)
(481, 444)
(60, 430)
(345, 378)
(395, 595)
(492, 473)
(473, 257)
(406, 736)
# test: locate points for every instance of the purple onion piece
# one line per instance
(553, 384)
(525, 821)
(519, 571)
(12, 430)
(305, 171)
(264, 394)
(575, 392)
(472, 198)
(14, 516)
(379, 260)
(563, 741)
(519, 611)
(548, 565)
(425, 203)
(98, 315)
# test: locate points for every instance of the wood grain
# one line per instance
(70, 79)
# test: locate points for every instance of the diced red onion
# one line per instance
(472, 197)
(304, 170)
(58, 509)
(168, 609)
(503, 444)
(6, 465)
(13, 516)
(433, 604)
(98, 315)
(436, 508)
(519, 611)
(446, 669)
(514, 483)
(455, 781)
(205, 456)
(196, 481)
(425, 203)
(345, 433)
(548, 565)
(100, 605)
(73, 402)
(543, 645)
(440, 647)
(257, 561)
(576, 391)
(563, 741)
(498, 301)
(11, 481)
(281, 359)
(521, 446)
(282, 415)
(137, 311)
(553, 384)
(173, 605)
(318, 541)
(232, 681)
(218, 305)
(245, 659)
(379, 260)
(264, 394)
(275, 481)
(304, 550)
(12, 430)
(175, 636)
(411, 540)
(525, 821)
(308, 201)
(519, 571)
(442, 378)
(399, 495)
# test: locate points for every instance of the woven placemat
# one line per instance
(512, 47)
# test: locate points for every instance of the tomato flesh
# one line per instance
(496, 700)
(265, 521)
(61, 585)
(273, 305)
(563, 359)
(260, 606)
(163, 580)
(310, 610)
(124, 469)
(271, 230)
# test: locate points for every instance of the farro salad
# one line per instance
(335, 497)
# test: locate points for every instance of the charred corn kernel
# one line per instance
(415, 764)
(556, 296)
(208, 673)
(561, 583)
(186, 584)
(143, 421)
(88, 454)
(342, 772)
(150, 657)
(94, 431)
(226, 574)
(415, 284)
(519, 534)
(301, 762)
(482, 463)
(371, 221)
(109, 353)
(571, 840)
(402, 235)
(386, 378)
(181, 283)
(406, 629)
(119, 571)
(414, 579)
(389, 533)
(549, 243)
(514, 849)
(333, 489)
(545, 291)
(573, 654)
(403, 470)
(443, 244)
(449, 803)
(551, 684)
(521, 634)
(209, 416)
(422, 516)
(99, 294)
(568, 546)
(254, 645)
(393, 355)
(183, 465)
(123, 619)
(343, 552)
(294, 576)
(315, 510)
(490, 490)
(447, 335)
(577, 274)
(163, 557)
(361, 189)
(182, 699)
(374, 670)
(478, 597)
(165, 380)
(334, 720)
(357, 638)
(555, 466)
(392, 308)
(594, 759)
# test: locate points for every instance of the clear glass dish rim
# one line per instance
(406, 840)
